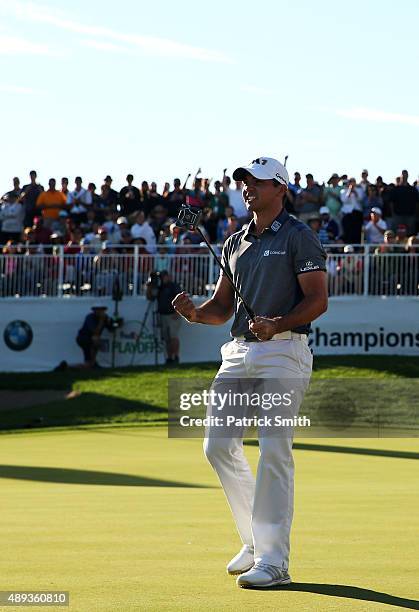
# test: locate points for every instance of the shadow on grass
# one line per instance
(87, 477)
(351, 450)
(85, 409)
(349, 592)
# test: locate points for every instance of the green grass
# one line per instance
(139, 395)
(128, 520)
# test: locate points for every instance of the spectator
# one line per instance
(309, 199)
(223, 223)
(108, 200)
(145, 200)
(235, 199)
(157, 219)
(155, 198)
(376, 227)
(329, 229)
(364, 182)
(351, 212)
(29, 197)
(166, 190)
(16, 188)
(78, 202)
(372, 200)
(64, 186)
(220, 200)
(232, 227)
(169, 318)
(11, 217)
(129, 197)
(88, 337)
(113, 196)
(40, 232)
(142, 229)
(387, 246)
(401, 235)
(175, 199)
(294, 190)
(50, 202)
(194, 197)
(404, 199)
(332, 196)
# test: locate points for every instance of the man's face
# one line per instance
(405, 175)
(16, 182)
(374, 217)
(176, 183)
(261, 194)
(140, 218)
(297, 177)
(364, 176)
(78, 183)
(52, 184)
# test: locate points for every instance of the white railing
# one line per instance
(362, 272)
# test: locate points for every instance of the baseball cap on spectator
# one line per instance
(348, 248)
(377, 210)
(334, 176)
(264, 168)
(324, 210)
(121, 221)
(108, 178)
(309, 175)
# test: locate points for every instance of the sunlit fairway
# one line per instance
(127, 519)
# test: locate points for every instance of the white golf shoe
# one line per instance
(242, 562)
(264, 575)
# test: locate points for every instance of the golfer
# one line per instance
(279, 265)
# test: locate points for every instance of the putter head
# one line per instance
(189, 217)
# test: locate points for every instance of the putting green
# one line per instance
(126, 520)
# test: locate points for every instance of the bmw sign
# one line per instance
(18, 335)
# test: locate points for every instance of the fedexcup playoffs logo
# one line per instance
(18, 335)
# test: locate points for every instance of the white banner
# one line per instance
(37, 334)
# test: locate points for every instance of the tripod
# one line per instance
(155, 326)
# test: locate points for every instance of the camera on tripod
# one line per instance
(153, 285)
(188, 216)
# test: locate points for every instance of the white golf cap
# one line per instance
(324, 210)
(265, 168)
(377, 210)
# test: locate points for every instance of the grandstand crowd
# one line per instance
(341, 211)
(102, 234)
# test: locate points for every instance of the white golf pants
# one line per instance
(262, 508)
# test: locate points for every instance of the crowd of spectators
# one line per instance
(79, 220)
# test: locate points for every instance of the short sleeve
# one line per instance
(225, 258)
(308, 253)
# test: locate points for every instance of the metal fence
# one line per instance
(362, 272)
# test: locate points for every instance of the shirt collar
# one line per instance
(274, 228)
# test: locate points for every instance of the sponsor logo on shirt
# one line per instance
(267, 253)
(275, 226)
(308, 266)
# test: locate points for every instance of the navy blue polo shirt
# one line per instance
(265, 268)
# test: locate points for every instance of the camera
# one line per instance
(116, 322)
(153, 285)
(189, 216)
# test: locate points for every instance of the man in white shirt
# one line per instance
(79, 200)
(235, 199)
(375, 228)
(142, 229)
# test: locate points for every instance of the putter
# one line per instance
(189, 217)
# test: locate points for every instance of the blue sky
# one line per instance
(159, 89)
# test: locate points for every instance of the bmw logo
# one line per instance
(18, 335)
